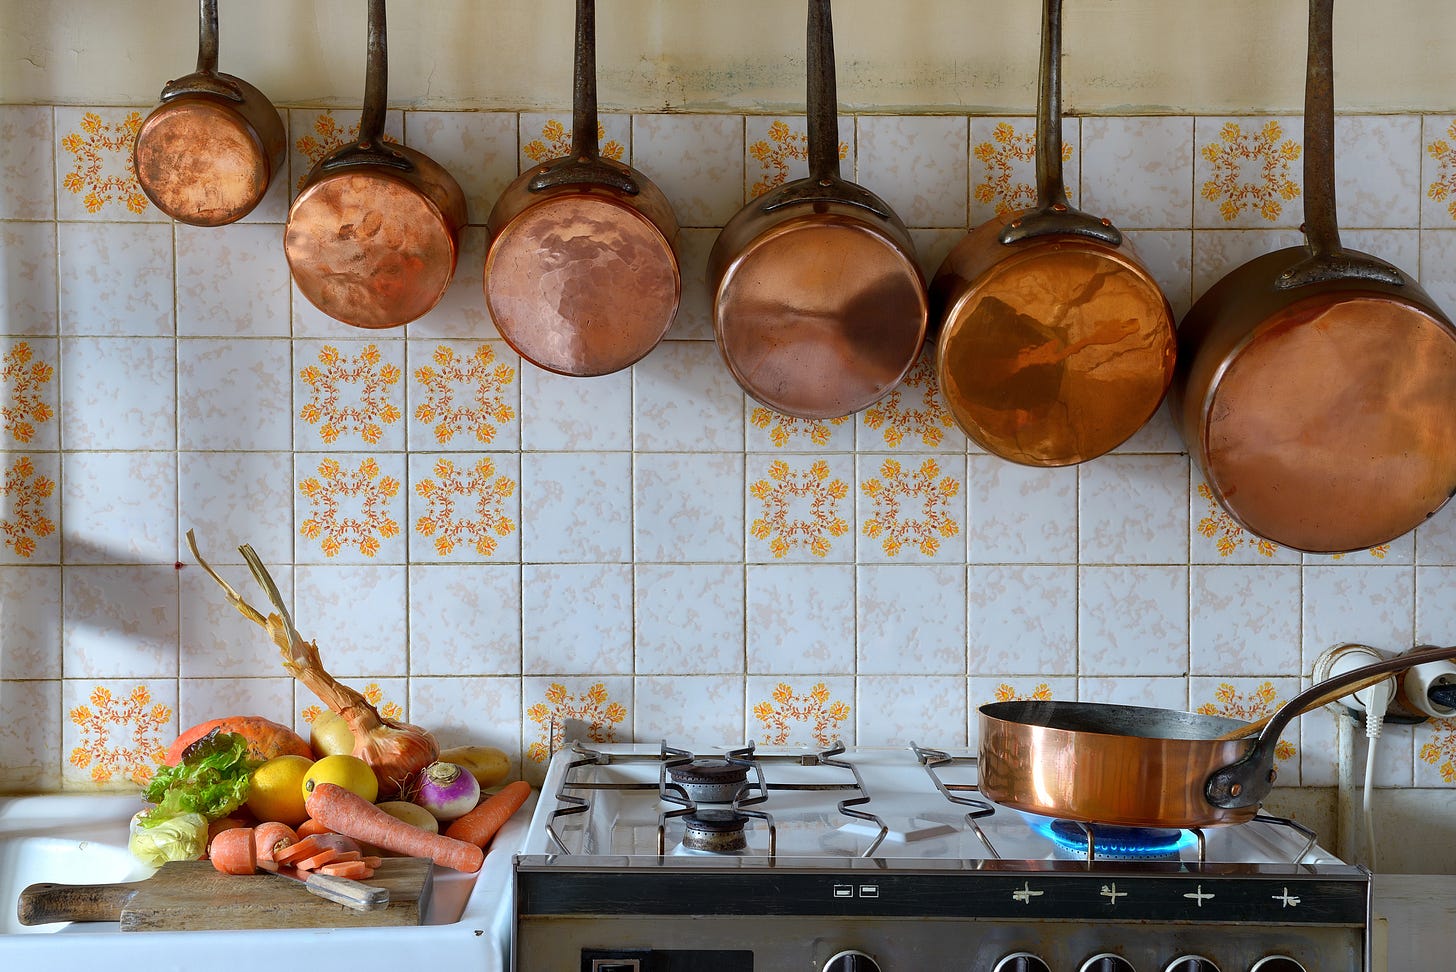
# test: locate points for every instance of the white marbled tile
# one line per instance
(580, 619)
(472, 711)
(1248, 172)
(1217, 539)
(689, 619)
(576, 507)
(910, 620)
(896, 710)
(686, 401)
(119, 622)
(799, 509)
(94, 175)
(349, 395)
(1132, 621)
(1217, 253)
(477, 148)
(1138, 172)
(201, 699)
(1244, 620)
(111, 728)
(27, 173)
(1131, 510)
(1401, 247)
(1368, 605)
(349, 508)
(687, 507)
(1166, 692)
(30, 390)
(1021, 514)
(464, 507)
(694, 320)
(461, 313)
(917, 165)
(696, 160)
(1378, 170)
(575, 414)
(30, 736)
(702, 711)
(120, 507)
(119, 393)
(30, 622)
(1168, 256)
(233, 394)
(463, 395)
(28, 278)
(1401, 550)
(910, 509)
(1438, 266)
(807, 711)
(465, 618)
(800, 619)
(235, 498)
(1436, 538)
(932, 246)
(1023, 618)
(115, 279)
(360, 611)
(232, 282)
(218, 642)
(1435, 607)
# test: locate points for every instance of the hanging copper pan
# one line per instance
(207, 153)
(582, 276)
(819, 304)
(1056, 344)
(1316, 386)
(373, 237)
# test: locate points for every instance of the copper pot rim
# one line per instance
(223, 111)
(570, 196)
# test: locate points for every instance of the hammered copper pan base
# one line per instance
(199, 160)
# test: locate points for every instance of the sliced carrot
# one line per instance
(232, 851)
(356, 870)
(490, 815)
(312, 827)
(271, 837)
(373, 862)
(351, 814)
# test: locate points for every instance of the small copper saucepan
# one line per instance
(373, 237)
(819, 304)
(1316, 385)
(1056, 344)
(207, 153)
(582, 276)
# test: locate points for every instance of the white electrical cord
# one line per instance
(1376, 700)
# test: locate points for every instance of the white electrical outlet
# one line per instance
(1345, 658)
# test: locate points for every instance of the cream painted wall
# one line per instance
(1201, 56)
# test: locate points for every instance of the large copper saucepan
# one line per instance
(1056, 344)
(373, 238)
(582, 276)
(207, 153)
(1316, 385)
(1145, 767)
(819, 305)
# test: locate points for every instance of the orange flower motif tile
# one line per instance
(26, 511)
(1228, 536)
(1230, 703)
(594, 707)
(555, 142)
(1006, 692)
(101, 171)
(784, 145)
(351, 396)
(1251, 170)
(910, 507)
(1008, 180)
(785, 430)
(324, 134)
(479, 488)
(25, 380)
(1440, 752)
(914, 410)
(800, 508)
(464, 395)
(1443, 154)
(789, 715)
(349, 507)
(374, 695)
(121, 736)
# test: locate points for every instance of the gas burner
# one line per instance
(1112, 842)
(709, 779)
(715, 829)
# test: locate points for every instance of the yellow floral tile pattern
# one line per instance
(555, 142)
(1378, 552)
(326, 134)
(451, 486)
(373, 694)
(778, 523)
(119, 735)
(25, 520)
(1227, 535)
(1443, 152)
(897, 416)
(593, 707)
(361, 522)
(465, 395)
(911, 507)
(24, 378)
(1000, 157)
(100, 146)
(787, 710)
(784, 145)
(1233, 704)
(1268, 153)
(784, 429)
(1006, 692)
(1441, 750)
(370, 379)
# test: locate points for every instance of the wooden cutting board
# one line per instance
(185, 895)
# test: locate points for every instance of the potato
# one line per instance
(489, 766)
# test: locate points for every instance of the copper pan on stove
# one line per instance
(1316, 385)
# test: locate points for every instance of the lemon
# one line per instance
(275, 791)
(350, 772)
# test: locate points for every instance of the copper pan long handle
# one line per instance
(1246, 782)
(370, 148)
(205, 80)
(1326, 697)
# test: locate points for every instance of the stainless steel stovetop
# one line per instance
(656, 859)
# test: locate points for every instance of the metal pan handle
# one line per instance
(1247, 782)
(370, 148)
(1054, 215)
(205, 80)
(584, 166)
(1328, 259)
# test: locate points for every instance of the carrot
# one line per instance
(314, 844)
(349, 814)
(232, 851)
(271, 837)
(327, 856)
(311, 827)
(480, 825)
(215, 827)
(357, 870)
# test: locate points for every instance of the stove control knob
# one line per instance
(1191, 963)
(1277, 963)
(851, 960)
(1107, 962)
(1021, 962)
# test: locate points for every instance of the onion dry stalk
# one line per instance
(396, 751)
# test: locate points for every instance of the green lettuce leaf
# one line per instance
(210, 779)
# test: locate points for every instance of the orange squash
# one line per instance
(265, 737)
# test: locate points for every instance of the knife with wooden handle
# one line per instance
(341, 890)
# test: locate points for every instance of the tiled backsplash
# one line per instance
(484, 547)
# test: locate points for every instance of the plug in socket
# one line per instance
(1418, 683)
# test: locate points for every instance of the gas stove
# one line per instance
(659, 859)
